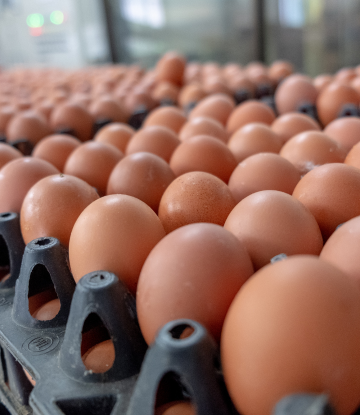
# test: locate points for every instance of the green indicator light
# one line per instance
(57, 17)
(35, 20)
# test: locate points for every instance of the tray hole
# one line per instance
(4, 259)
(97, 348)
(5, 215)
(181, 331)
(88, 406)
(171, 389)
(43, 242)
(44, 303)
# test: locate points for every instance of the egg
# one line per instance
(170, 117)
(56, 149)
(93, 162)
(8, 153)
(249, 112)
(353, 157)
(115, 233)
(176, 408)
(52, 206)
(47, 311)
(155, 139)
(203, 153)
(292, 123)
(332, 99)
(322, 81)
(138, 99)
(195, 197)
(263, 171)
(217, 106)
(294, 327)
(100, 357)
(253, 138)
(116, 134)
(106, 108)
(171, 68)
(142, 175)
(17, 177)
(310, 149)
(330, 192)
(203, 125)
(165, 91)
(270, 223)
(294, 91)
(194, 272)
(6, 113)
(280, 70)
(345, 131)
(191, 93)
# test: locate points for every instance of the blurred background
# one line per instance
(317, 36)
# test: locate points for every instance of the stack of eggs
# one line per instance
(231, 167)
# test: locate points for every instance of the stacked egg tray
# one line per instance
(176, 367)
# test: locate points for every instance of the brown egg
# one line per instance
(74, 117)
(195, 197)
(345, 131)
(6, 113)
(353, 157)
(241, 82)
(203, 125)
(311, 149)
(155, 139)
(194, 272)
(106, 108)
(191, 93)
(47, 311)
(253, 138)
(263, 171)
(45, 108)
(345, 75)
(8, 153)
(116, 134)
(294, 327)
(203, 153)
(292, 123)
(29, 125)
(56, 149)
(294, 91)
(142, 175)
(341, 249)
(217, 106)
(214, 84)
(176, 408)
(138, 98)
(52, 206)
(330, 193)
(332, 99)
(249, 112)
(165, 91)
(100, 358)
(17, 177)
(355, 84)
(270, 223)
(322, 81)
(115, 233)
(171, 68)
(170, 117)
(280, 70)
(93, 162)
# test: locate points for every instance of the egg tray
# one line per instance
(176, 367)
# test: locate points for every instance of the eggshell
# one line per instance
(322, 81)
(241, 82)
(171, 68)
(294, 91)
(331, 100)
(93, 162)
(214, 84)
(29, 125)
(100, 358)
(6, 113)
(165, 91)
(217, 106)
(195, 197)
(184, 275)
(116, 134)
(176, 408)
(263, 171)
(249, 112)
(345, 131)
(75, 117)
(353, 157)
(48, 311)
(311, 149)
(270, 223)
(253, 138)
(17, 177)
(292, 123)
(115, 233)
(294, 327)
(330, 193)
(155, 139)
(170, 117)
(138, 98)
(203, 125)
(52, 206)
(280, 70)
(56, 149)
(142, 175)
(203, 153)
(106, 108)
(190, 93)
(8, 153)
